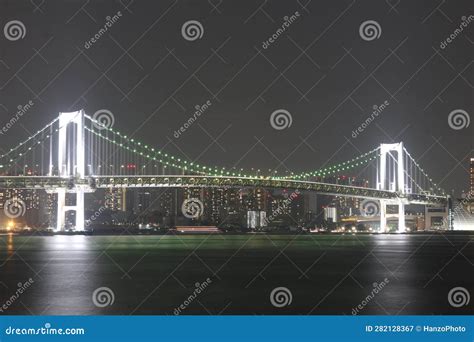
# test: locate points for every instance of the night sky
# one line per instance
(320, 70)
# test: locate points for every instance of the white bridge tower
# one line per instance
(392, 177)
(71, 165)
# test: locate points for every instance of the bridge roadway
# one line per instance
(90, 183)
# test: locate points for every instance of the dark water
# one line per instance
(326, 274)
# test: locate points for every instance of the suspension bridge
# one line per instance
(75, 154)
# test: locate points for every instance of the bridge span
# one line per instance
(75, 154)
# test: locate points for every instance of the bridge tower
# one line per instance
(71, 164)
(392, 178)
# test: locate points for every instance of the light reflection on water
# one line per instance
(68, 268)
(76, 242)
(10, 246)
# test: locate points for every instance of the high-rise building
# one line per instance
(143, 201)
(469, 197)
(279, 205)
(219, 203)
(166, 200)
(116, 199)
(297, 209)
(255, 199)
(48, 208)
(471, 173)
(138, 201)
(214, 204)
(349, 206)
(256, 219)
(232, 201)
(330, 214)
(310, 206)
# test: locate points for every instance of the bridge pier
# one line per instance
(63, 209)
(401, 217)
(79, 210)
(61, 212)
(383, 216)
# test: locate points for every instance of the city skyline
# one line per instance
(224, 207)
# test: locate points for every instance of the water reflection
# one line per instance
(10, 246)
(152, 274)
